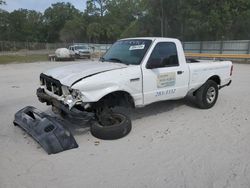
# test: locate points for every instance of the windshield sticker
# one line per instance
(137, 47)
(166, 80)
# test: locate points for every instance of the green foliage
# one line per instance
(25, 25)
(108, 20)
(55, 17)
(2, 2)
(74, 30)
(94, 31)
(4, 25)
(97, 7)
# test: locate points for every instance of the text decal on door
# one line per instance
(166, 80)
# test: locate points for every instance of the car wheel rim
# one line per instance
(112, 119)
(211, 95)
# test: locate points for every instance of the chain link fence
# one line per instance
(30, 48)
(218, 47)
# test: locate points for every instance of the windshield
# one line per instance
(80, 47)
(130, 52)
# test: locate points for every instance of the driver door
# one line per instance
(164, 77)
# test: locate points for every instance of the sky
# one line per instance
(39, 5)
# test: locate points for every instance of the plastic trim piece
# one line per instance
(45, 129)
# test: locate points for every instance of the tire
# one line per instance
(58, 111)
(119, 129)
(206, 95)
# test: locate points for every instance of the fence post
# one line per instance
(201, 47)
(1, 46)
(14, 46)
(221, 46)
(248, 50)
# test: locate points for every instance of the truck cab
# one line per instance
(165, 72)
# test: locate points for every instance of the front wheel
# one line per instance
(111, 125)
(206, 95)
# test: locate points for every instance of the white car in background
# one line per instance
(81, 51)
(64, 54)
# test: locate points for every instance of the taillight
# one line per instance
(231, 72)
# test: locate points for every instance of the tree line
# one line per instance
(105, 21)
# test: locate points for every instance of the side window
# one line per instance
(164, 55)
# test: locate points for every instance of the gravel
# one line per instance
(172, 144)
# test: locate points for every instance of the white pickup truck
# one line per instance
(133, 73)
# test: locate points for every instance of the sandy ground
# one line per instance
(172, 144)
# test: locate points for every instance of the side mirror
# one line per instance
(155, 63)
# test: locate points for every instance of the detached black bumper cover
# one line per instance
(46, 130)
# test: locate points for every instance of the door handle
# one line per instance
(134, 79)
(180, 72)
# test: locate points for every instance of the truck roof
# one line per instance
(78, 45)
(151, 38)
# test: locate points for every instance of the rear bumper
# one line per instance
(72, 113)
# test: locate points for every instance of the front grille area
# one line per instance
(85, 52)
(51, 84)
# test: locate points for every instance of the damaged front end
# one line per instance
(50, 132)
(52, 92)
(55, 89)
(71, 113)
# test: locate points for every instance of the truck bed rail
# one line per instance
(222, 56)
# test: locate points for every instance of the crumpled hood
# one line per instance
(70, 74)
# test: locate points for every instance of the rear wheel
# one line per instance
(206, 95)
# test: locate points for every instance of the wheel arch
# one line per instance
(216, 79)
(119, 97)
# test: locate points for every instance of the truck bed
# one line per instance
(201, 70)
(193, 60)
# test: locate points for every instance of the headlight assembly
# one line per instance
(76, 94)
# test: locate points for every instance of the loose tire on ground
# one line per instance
(118, 130)
(206, 95)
